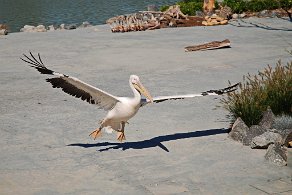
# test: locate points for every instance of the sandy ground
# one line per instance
(177, 147)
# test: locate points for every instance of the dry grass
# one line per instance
(269, 88)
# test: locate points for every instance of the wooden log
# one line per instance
(208, 46)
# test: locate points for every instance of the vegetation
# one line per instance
(189, 7)
(269, 88)
(239, 6)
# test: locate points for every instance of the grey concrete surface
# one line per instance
(177, 147)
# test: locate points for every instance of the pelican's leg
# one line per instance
(97, 132)
(121, 134)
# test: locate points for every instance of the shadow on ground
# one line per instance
(245, 24)
(151, 143)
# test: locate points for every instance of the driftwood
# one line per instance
(209, 46)
(149, 20)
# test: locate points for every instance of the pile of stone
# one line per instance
(3, 29)
(263, 136)
(42, 28)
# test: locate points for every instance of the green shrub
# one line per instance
(270, 88)
(239, 6)
(164, 8)
(190, 7)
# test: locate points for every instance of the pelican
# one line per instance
(120, 109)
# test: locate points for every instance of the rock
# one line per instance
(27, 28)
(239, 130)
(40, 28)
(286, 136)
(70, 26)
(62, 26)
(224, 22)
(234, 16)
(276, 154)
(3, 32)
(51, 28)
(200, 13)
(274, 14)
(263, 13)
(267, 119)
(85, 24)
(242, 15)
(265, 139)
(225, 12)
(253, 131)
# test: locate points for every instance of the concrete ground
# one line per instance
(175, 147)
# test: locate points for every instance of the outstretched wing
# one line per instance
(73, 86)
(178, 97)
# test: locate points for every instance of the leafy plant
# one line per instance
(239, 6)
(269, 88)
(190, 7)
(164, 8)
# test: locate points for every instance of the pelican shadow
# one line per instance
(153, 142)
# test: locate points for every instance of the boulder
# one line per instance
(287, 137)
(264, 13)
(234, 16)
(85, 24)
(62, 26)
(51, 28)
(239, 130)
(200, 13)
(267, 119)
(253, 131)
(70, 26)
(242, 15)
(3, 32)
(40, 28)
(27, 28)
(276, 154)
(265, 139)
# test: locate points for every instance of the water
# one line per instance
(17, 13)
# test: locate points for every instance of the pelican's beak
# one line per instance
(143, 91)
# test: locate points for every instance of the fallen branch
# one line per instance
(208, 46)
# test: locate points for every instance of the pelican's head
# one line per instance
(135, 81)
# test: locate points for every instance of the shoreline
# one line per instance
(44, 132)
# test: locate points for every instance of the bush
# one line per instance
(190, 7)
(239, 6)
(270, 88)
(164, 8)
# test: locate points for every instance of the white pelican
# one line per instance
(120, 109)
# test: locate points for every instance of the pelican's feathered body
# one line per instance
(120, 109)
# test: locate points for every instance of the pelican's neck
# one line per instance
(137, 95)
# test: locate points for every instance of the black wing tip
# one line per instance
(37, 64)
(222, 91)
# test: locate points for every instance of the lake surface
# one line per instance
(17, 13)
